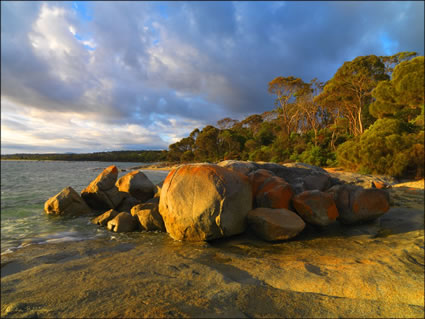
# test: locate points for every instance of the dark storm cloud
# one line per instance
(150, 63)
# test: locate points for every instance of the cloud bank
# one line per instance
(94, 76)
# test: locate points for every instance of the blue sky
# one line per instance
(94, 76)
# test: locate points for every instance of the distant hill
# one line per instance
(142, 156)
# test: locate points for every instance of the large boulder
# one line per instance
(103, 219)
(356, 204)
(123, 222)
(275, 192)
(315, 207)
(102, 192)
(275, 224)
(148, 216)
(137, 185)
(66, 203)
(239, 166)
(204, 202)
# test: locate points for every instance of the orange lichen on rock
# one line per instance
(274, 193)
(316, 207)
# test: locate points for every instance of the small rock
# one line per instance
(123, 222)
(103, 219)
(66, 203)
(275, 224)
(148, 216)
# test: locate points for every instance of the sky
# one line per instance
(102, 76)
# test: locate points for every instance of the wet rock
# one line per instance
(103, 219)
(275, 224)
(148, 216)
(66, 203)
(315, 207)
(123, 222)
(102, 192)
(239, 166)
(204, 202)
(137, 185)
(275, 192)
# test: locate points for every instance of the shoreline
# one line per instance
(349, 272)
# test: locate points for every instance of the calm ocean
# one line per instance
(26, 185)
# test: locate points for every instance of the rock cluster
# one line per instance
(199, 202)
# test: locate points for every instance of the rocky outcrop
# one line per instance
(315, 207)
(356, 204)
(204, 202)
(102, 192)
(148, 216)
(137, 185)
(123, 222)
(300, 176)
(66, 203)
(275, 192)
(275, 224)
(103, 219)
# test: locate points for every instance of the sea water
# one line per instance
(26, 185)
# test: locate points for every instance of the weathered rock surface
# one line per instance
(157, 189)
(373, 270)
(315, 207)
(275, 192)
(102, 192)
(66, 203)
(241, 167)
(103, 219)
(275, 224)
(204, 202)
(257, 178)
(300, 176)
(137, 185)
(123, 222)
(356, 204)
(148, 216)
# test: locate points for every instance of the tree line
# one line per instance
(368, 117)
(114, 156)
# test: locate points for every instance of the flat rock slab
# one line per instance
(372, 270)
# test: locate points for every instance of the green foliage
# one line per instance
(403, 95)
(332, 124)
(385, 148)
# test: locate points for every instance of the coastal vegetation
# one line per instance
(114, 156)
(369, 117)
